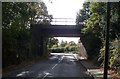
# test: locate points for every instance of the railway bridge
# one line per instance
(40, 33)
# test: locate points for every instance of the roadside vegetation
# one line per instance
(93, 15)
(63, 47)
(16, 36)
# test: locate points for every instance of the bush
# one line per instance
(64, 49)
(58, 50)
(114, 57)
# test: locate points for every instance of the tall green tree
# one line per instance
(63, 43)
(91, 30)
(16, 20)
(52, 41)
(94, 32)
(83, 14)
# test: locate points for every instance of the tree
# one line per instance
(94, 32)
(52, 41)
(83, 14)
(16, 20)
(63, 43)
(91, 29)
(72, 43)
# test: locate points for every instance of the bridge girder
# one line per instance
(58, 30)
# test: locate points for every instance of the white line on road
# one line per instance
(53, 67)
(45, 76)
(58, 62)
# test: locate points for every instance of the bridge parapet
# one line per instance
(63, 21)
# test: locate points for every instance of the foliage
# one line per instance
(57, 49)
(114, 61)
(64, 47)
(83, 14)
(63, 44)
(114, 58)
(52, 42)
(91, 29)
(16, 20)
(94, 32)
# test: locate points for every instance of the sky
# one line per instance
(64, 9)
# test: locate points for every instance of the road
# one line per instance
(59, 65)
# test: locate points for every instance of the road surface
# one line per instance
(59, 65)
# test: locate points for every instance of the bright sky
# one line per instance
(64, 9)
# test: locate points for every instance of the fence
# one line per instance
(63, 21)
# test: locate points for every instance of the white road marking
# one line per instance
(54, 66)
(58, 62)
(22, 73)
(45, 76)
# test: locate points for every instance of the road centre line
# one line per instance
(54, 66)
